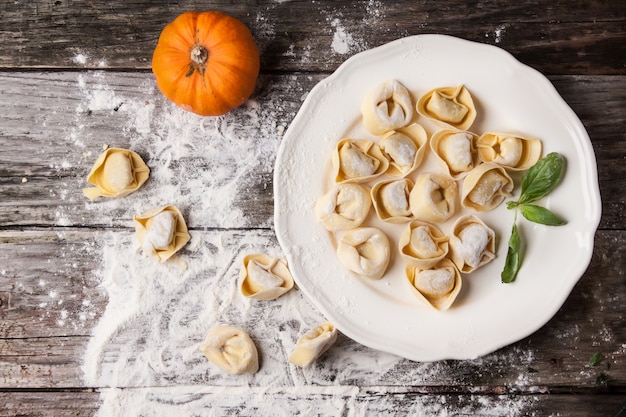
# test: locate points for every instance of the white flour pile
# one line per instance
(145, 346)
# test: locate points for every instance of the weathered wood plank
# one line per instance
(364, 401)
(49, 404)
(54, 125)
(46, 362)
(51, 302)
(554, 37)
(49, 284)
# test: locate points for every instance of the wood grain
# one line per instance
(553, 37)
(79, 404)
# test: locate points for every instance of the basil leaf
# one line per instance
(542, 177)
(513, 257)
(510, 205)
(541, 215)
(595, 359)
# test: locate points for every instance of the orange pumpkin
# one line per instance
(206, 62)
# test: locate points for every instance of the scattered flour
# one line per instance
(85, 59)
(320, 401)
(342, 40)
(80, 58)
(263, 31)
(498, 33)
(346, 42)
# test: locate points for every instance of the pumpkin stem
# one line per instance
(199, 55)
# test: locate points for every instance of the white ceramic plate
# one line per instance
(487, 314)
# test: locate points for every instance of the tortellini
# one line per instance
(387, 107)
(161, 232)
(438, 286)
(264, 278)
(116, 173)
(231, 349)
(471, 173)
(358, 161)
(364, 251)
(404, 148)
(422, 244)
(391, 200)
(313, 344)
(485, 187)
(510, 151)
(451, 106)
(344, 206)
(472, 243)
(456, 151)
(433, 197)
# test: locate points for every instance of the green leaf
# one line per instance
(595, 359)
(541, 215)
(542, 177)
(510, 205)
(513, 257)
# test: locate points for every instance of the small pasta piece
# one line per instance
(116, 173)
(161, 232)
(264, 278)
(231, 349)
(313, 344)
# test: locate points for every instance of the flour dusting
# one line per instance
(499, 32)
(342, 40)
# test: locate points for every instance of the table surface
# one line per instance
(89, 325)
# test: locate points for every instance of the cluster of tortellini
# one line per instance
(232, 350)
(262, 277)
(117, 172)
(384, 173)
(162, 232)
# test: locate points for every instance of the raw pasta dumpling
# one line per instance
(344, 206)
(433, 197)
(313, 344)
(485, 187)
(264, 277)
(455, 151)
(472, 243)
(451, 106)
(358, 161)
(391, 200)
(422, 244)
(404, 148)
(510, 151)
(116, 173)
(161, 232)
(387, 107)
(231, 349)
(438, 286)
(364, 251)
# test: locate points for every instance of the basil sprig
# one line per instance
(538, 181)
(513, 256)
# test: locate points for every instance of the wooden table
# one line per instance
(74, 76)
